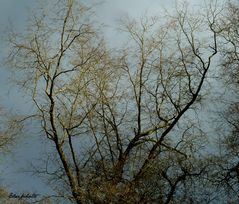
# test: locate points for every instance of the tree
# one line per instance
(229, 26)
(121, 121)
(10, 129)
(228, 171)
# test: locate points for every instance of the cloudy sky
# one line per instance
(15, 13)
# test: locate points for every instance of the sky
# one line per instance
(15, 13)
(12, 12)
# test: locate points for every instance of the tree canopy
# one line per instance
(123, 122)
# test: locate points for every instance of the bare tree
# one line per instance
(121, 121)
(10, 130)
(229, 26)
(228, 166)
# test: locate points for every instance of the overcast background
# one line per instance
(15, 13)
